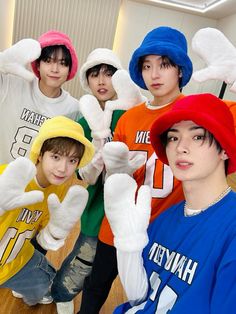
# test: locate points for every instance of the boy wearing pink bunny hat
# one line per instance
(28, 99)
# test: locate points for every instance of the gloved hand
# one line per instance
(91, 171)
(13, 182)
(128, 93)
(218, 53)
(128, 219)
(98, 120)
(117, 159)
(14, 59)
(63, 217)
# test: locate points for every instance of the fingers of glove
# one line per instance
(19, 71)
(75, 199)
(97, 161)
(210, 73)
(18, 173)
(53, 204)
(29, 198)
(119, 192)
(92, 112)
(143, 202)
(123, 84)
(115, 151)
(136, 162)
(233, 87)
(25, 50)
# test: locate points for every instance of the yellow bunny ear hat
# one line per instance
(61, 126)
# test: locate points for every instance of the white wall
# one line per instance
(6, 23)
(136, 19)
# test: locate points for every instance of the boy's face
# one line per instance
(53, 72)
(101, 85)
(190, 154)
(160, 77)
(55, 168)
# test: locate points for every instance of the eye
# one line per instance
(146, 66)
(55, 156)
(74, 161)
(63, 62)
(199, 137)
(172, 138)
(48, 60)
(164, 65)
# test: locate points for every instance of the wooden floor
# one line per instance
(11, 305)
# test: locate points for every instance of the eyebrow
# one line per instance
(191, 129)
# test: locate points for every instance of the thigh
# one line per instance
(33, 280)
(105, 265)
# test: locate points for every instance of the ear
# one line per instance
(180, 73)
(224, 156)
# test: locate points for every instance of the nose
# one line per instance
(155, 72)
(54, 66)
(100, 79)
(62, 165)
(183, 146)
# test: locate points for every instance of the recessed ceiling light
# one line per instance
(193, 5)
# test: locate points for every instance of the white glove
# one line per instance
(218, 53)
(128, 93)
(14, 59)
(117, 160)
(63, 217)
(98, 120)
(13, 182)
(91, 171)
(128, 219)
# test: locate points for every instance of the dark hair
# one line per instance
(62, 145)
(167, 63)
(207, 136)
(96, 69)
(53, 51)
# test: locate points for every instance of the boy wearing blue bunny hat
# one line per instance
(162, 66)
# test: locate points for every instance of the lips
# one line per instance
(182, 164)
(102, 91)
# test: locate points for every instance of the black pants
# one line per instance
(98, 284)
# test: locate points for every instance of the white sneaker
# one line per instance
(17, 295)
(65, 307)
(44, 300)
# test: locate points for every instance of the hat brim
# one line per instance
(56, 42)
(173, 52)
(225, 138)
(88, 152)
(88, 65)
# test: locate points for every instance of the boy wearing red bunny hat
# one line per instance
(185, 260)
(27, 101)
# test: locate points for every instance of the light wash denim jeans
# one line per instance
(34, 280)
(70, 277)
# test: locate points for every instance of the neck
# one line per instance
(199, 195)
(50, 92)
(167, 99)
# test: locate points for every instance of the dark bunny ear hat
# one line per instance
(207, 111)
(53, 38)
(162, 41)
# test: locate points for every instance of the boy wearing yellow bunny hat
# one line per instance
(37, 199)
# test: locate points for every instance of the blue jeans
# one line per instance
(76, 267)
(34, 280)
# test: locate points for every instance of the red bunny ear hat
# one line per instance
(207, 111)
(53, 38)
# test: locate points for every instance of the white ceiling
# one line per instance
(222, 10)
